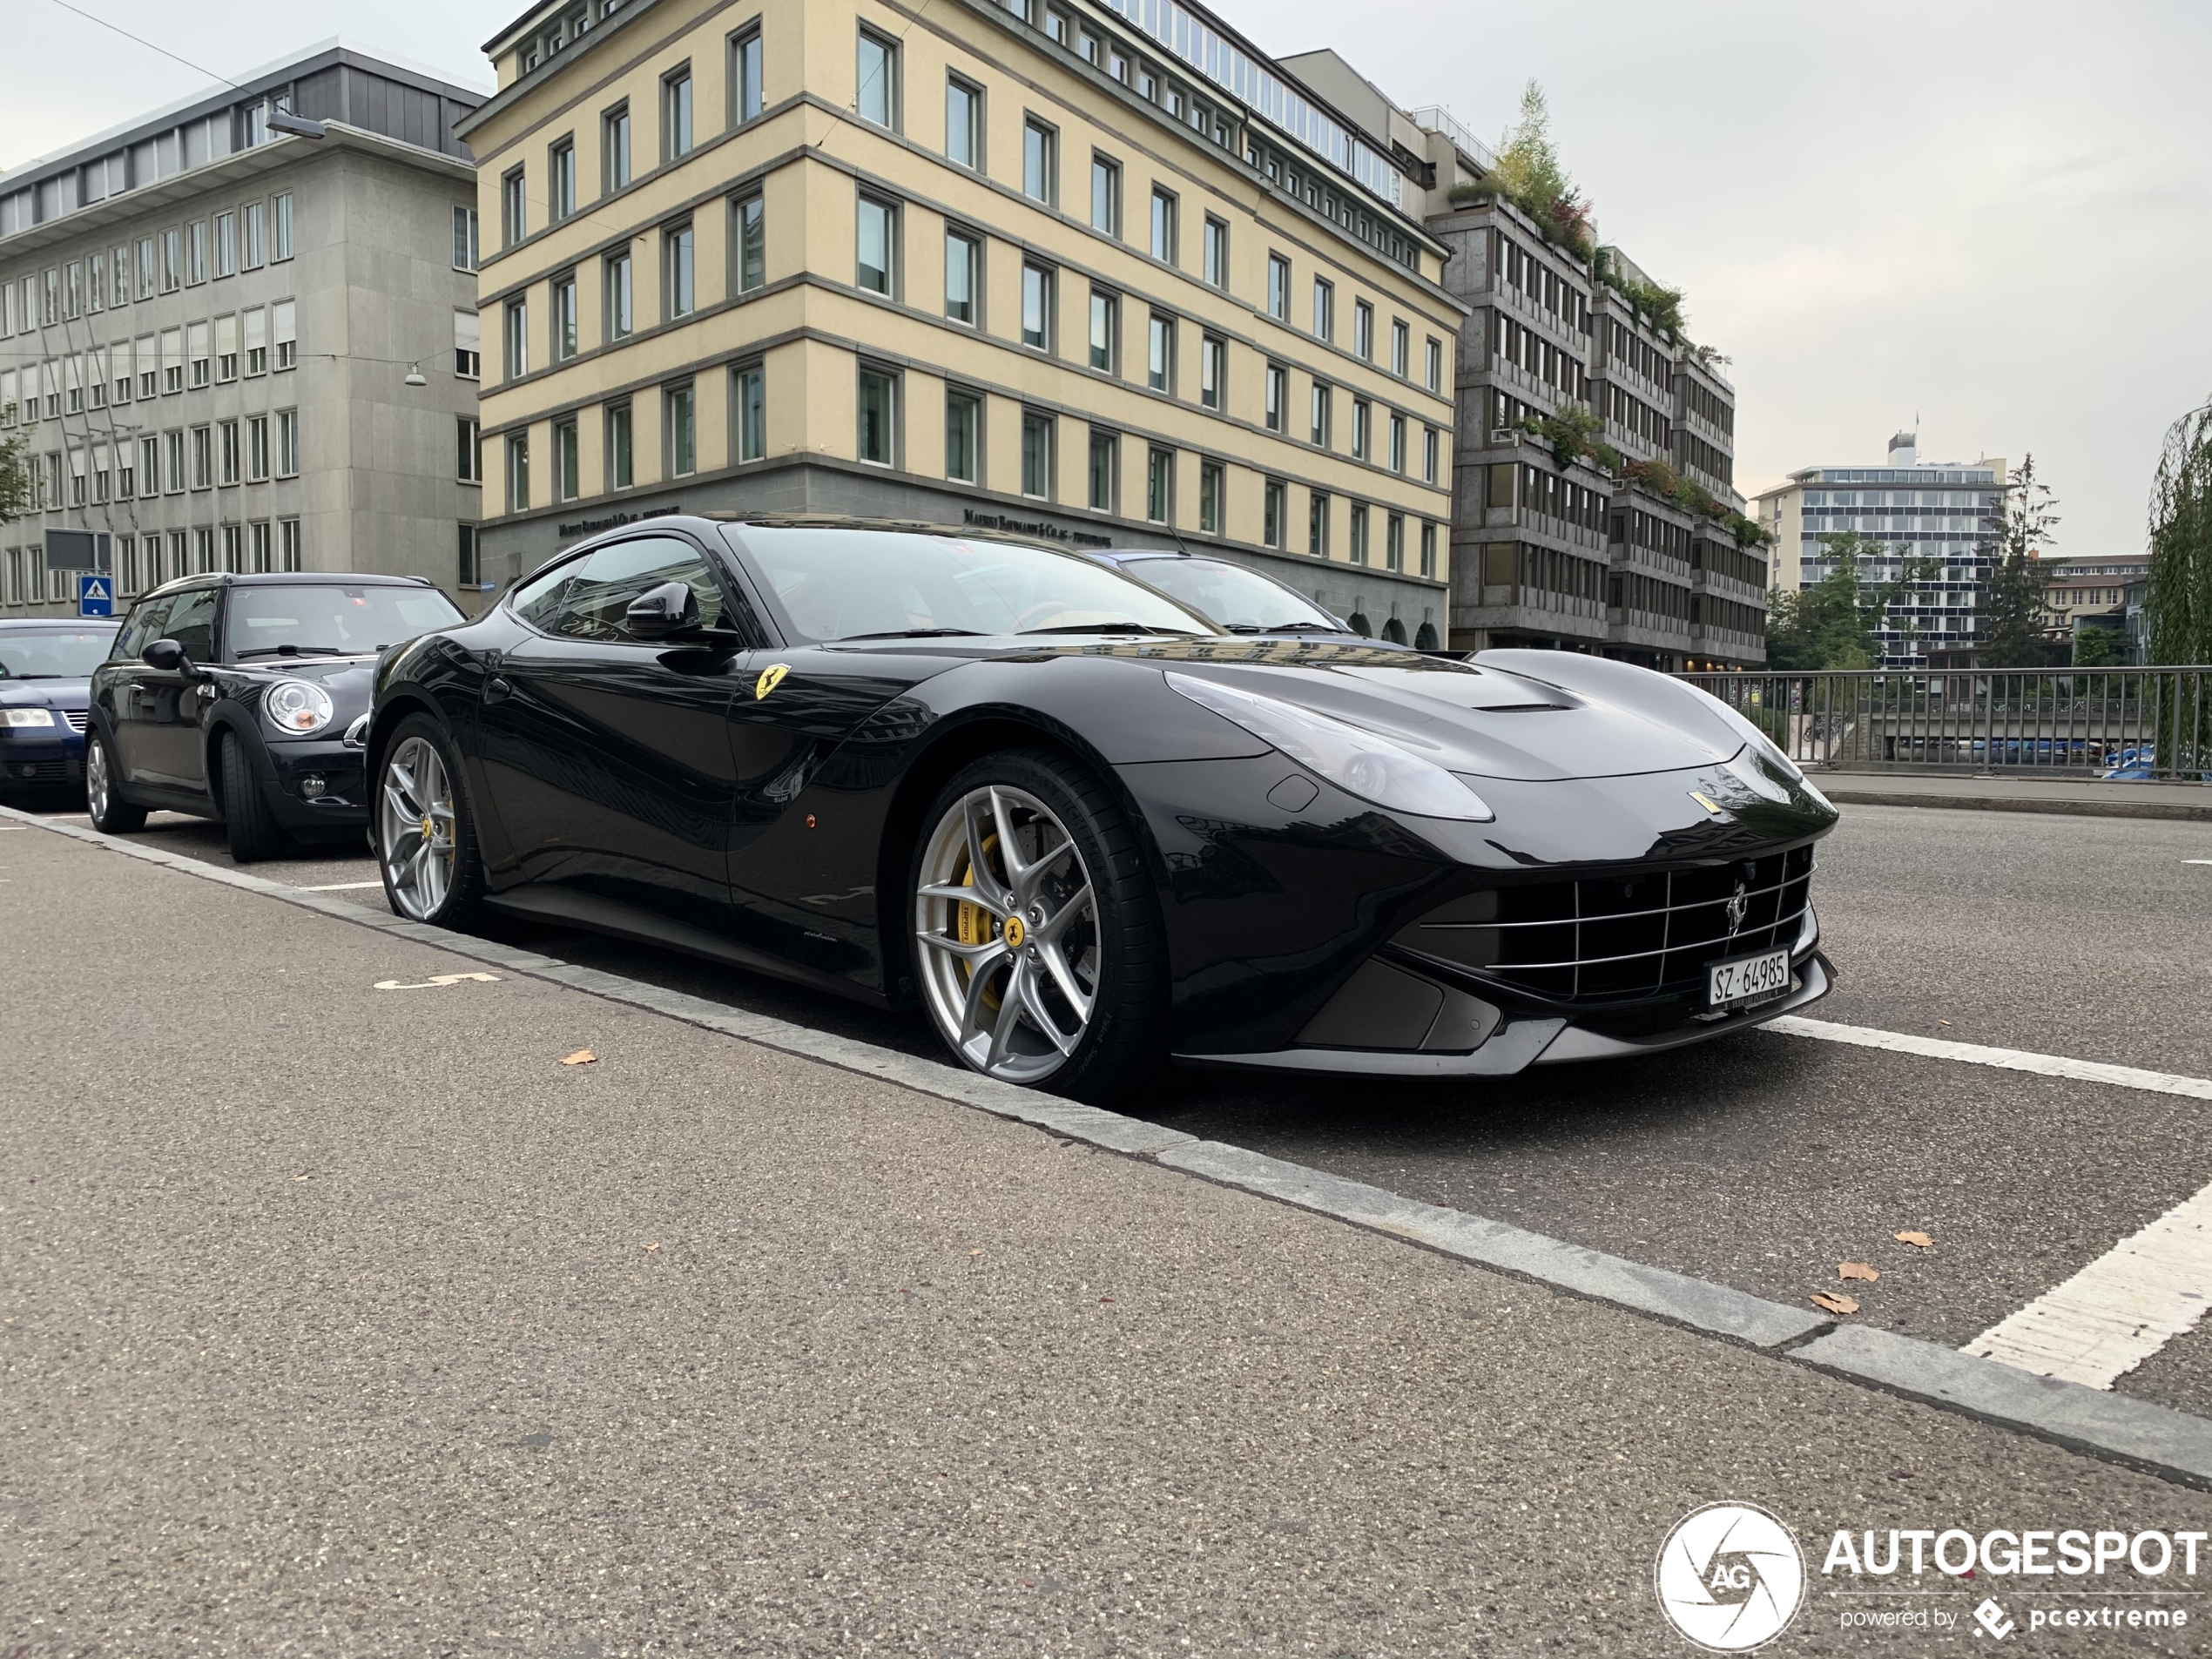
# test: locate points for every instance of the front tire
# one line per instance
(254, 832)
(425, 835)
(110, 813)
(1036, 930)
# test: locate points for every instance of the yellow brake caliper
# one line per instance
(972, 924)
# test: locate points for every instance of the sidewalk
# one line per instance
(350, 1320)
(2081, 796)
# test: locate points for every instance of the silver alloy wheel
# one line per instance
(1006, 925)
(97, 782)
(414, 828)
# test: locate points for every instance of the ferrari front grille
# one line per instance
(1610, 938)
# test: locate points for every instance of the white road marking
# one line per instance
(1974, 1053)
(341, 886)
(2197, 860)
(2119, 1310)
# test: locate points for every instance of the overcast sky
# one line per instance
(1992, 217)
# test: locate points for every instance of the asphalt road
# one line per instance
(336, 1320)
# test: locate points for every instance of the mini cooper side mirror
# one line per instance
(163, 654)
(671, 608)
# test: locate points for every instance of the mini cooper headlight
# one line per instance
(26, 717)
(1356, 761)
(297, 708)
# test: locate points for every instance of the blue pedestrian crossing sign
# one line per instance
(95, 594)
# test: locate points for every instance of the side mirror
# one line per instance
(671, 608)
(165, 654)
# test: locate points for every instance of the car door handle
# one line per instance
(497, 690)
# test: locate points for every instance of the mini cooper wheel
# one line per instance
(110, 813)
(254, 832)
(1037, 937)
(426, 846)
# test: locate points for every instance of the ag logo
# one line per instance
(1731, 1577)
(770, 677)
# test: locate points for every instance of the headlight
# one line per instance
(1753, 735)
(296, 707)
(1357, 762)
(26, 717)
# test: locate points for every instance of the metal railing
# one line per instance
(2142, 723)
(1434, 117)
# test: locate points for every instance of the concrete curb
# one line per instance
(2171, 1444)
(2168, 810)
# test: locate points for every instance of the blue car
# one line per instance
(46, 667)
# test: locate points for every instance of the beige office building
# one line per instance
(1100, 272)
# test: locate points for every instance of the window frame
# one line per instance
(746, 70)
(1105, 171)
(678, 113)
(679, 287)
(976, 403)
(1040, 149)
(889, 49)
(1105, 307)
(865, 201)
(1104, 443)
(752, 435)
(1163, 229)
(1279, 288)
(1037, 424)
(617, 149)
(749, 234)
(973, 242)
(864, 372)
(976, 125)
(679, 426)
(1043, 286)
(1215, 254)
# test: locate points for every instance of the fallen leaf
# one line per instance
(1856, 1270)
(652, 1247)
(298, 1178)
(1835, 1303)
(975, 1252)
(581, 1057)
(1919, 1241)
(1943, 1022)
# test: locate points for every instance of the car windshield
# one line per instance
(329, 619)
(1240, 600)
(863, 584)
(53, 653)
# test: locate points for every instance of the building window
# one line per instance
(676, 115)
(1398, 443)
(879, 403)
(1278, 287)
(1430, 446)
(1036, 456)
(469, 451)
(288, 458)
(963, 264)
(284, 333)
(1105, 469)
(173, 271)
(195, 258)
(197, 347)
(680, 418)
(679, 296)
(1400, 344)
(1217, 252)
(963, 124)
(1163, 226)
(288, 543)
(230, 452)
(565, 460)
(262, 563)
(1105, 195)
(1040, 161)
(963, 430)
(614, 149)
(514, 209)
(1159, 353)
(465, 569)
(1159, 486)
(620, 474)
(226, 249)
(1362, 419)
(1036, 308)
(877, 99)
(1278, 397)
(1213, 372)
(1363, 330)
(467, 345)
(1211, 483)
(1435, 367)
(1395, 542)
(252, 230)
(876, 244)
(1316, 525)
(1319, 412)
(1359, 532)
(280, 211)
(234, 548)
(621, 297)
(564, 319)
(746, 90)
(1274, 525)
(518, 337)
(203, 550)
(560, 182)
(1105, 331)
(749, 216)
(518, 472)
(146, 274)
(1428, 551)
(1325, 309)
(203, 457)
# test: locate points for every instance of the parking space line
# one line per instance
(340, 886)
(1975, 1054)
(2120, 1310)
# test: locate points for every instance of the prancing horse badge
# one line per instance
(770, 677)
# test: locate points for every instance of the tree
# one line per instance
(2013, 598)
(18, 485)
(1836, 623)
(1529, 175)
(2099, 648)
(2180, 600)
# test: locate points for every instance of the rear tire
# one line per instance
(1047, 969)
(254, 832)
(437, 876)
(110, 813)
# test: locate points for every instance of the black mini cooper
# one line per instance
(243, 698)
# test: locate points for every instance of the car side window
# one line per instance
(537, 600)
(143, 628)
(191, 624)
(603, 585)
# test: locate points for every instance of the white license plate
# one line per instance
(1747, 978)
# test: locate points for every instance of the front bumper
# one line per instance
(316, 783)
(42, 762)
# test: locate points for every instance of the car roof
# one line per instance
(899, 526)
(58, 625)
(286, 579)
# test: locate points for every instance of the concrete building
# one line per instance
(1913, 511)
(2093, 590)
(1098, 272)
(231, 348)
